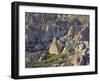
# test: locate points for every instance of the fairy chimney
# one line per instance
(53, 47)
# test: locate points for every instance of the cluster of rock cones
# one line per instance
(73, 44)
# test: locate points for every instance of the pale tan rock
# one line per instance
(53, 47)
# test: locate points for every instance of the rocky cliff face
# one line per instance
(72, 38)
(41, 30)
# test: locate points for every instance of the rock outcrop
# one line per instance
(53, 47)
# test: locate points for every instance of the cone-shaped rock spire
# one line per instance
(53, 47)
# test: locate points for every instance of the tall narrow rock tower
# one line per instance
(53, 47)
